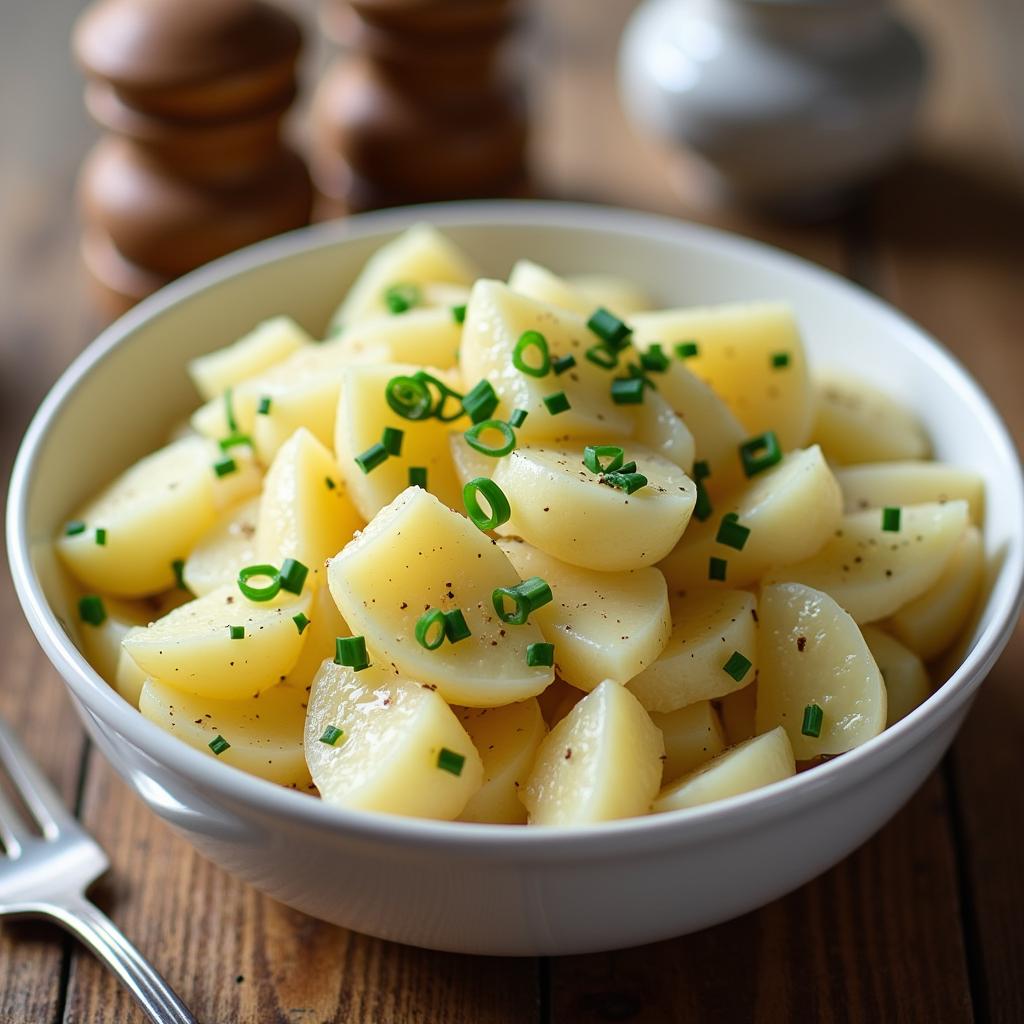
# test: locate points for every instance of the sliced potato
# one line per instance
(693, 735)
(737, 710)
(397, 737)
(542, 285)
(791, 510)
(228, 546)
(810, 651)
(268, 343)
(751, 354)
(601, 762)
(363, 415)
(558, 700)
(661, 430)
(711, 652)
(754, 763)
(495, 320)
(153, 513)
(906, 681)
(856, 422)
(604, 625)
(932, 622)
(239, 483)
(128, 677)
(621, 296)
(415, 555)
(101, 644)
(894, 484)
(191, 648)
(872, 572)
(324, 627)
(427, 337)
(419, 256)
(265, 732)
(561, 507)
(507, 740)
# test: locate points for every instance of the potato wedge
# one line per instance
(601, 762)
(856, 422)
(427, 337)
(395, 750)
(542, 285)
(931, 623)
(128, 678)
(906, 680)
(101, 642)
(265, 732)
(227, 547)
(324, 627)
(661, 430)
(894, 484)
(872, 572)
(415, 555)
(693, 735)
(561, 507)
(810, 651)
(791, 510)
(507, 740)
(621, 296)
(191, 648)
(754, 763)
(737, 710)
(604, 625)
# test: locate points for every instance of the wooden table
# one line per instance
(924, 923)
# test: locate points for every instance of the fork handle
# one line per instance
(157, 999)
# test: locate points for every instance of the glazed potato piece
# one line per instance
(228, 546)
(415, 555)
(750, 354)
(429, 337)
(320, 633)
(894, 484)
(401, 748)
(417, 257)
(561, 507)
(811, 652)
(539, 283)
(737, 711)
(693, 735)
(932, 622)
(305, 511)
(363, 415)
(264, 733)
(906, 681)
(100, 642)
(661, 430)
(873, 572)
(755, 763)
(128, 678)
(507, 740)
(192, 648)
(268, 343)
(791, 510)
(496, 318)
(609, 291)
(601, 762)
(604, 625)
(153, 514)
(856, 423)
(711, 652)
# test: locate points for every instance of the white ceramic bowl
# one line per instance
(478, 888)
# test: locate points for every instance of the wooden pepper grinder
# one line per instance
(424, 104)
(192, 94)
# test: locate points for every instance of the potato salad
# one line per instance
(526, 551)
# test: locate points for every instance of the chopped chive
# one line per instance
(449, 761)
(531, 340)
(455, 626)
(813, 718)
(500, 510)
(654, 359)
(526, 597)
(178, 568)
(418, 476)
(293, 575)
(472, 437)
(686, 349)
(594, 453)
(225, 465)
(101, 536)
(91, 609)
(430, 629)
(236, 632)
(731, 533)
(601, 355)
(557, 403)
(73, 528)
(737, 666)
(301, 622)
(392, 440)
(329, 483)
(610, 329)
(518, 417)
(351, 652)
(459, 314)
(702, 508)
(229, 411)
(444, 393)
(400, 298)
(218, 745)
(540, 654)
(780, 360)
(760, 453)
(331, 735)
(628, 390)
(627, 467)
(480, 402)
(264, 407)
(717, 568)
(891, 520)
(371, 458)
(628, 482)
(409, 397)
(265, 593)
(562, 363)
(233, 441)
(701, 470)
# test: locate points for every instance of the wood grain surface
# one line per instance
(921, 924)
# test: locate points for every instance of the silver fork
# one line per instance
(47, 876)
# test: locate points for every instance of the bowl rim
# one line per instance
(740, 812)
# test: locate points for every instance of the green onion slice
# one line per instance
(717, 568)
(731, 533)
(418, 477)
(654, 359)
(178, 568)
(259, 593)
(76, 526)
(481, 401)
(702, 508)
(780, 360)
(472, 437)
(601, 355)
(557, 403)
(518, 417)
(331, 735)
(540, 654)
(737, 666)
(628, 390)
(500, 510)
(293, 575)
(594, 453)
(225, 465)
(444, 394)
(686, 349)
(459, 314)
(813, 718)
(628, 482)
(236, 632)
(392, 440)
(526, 597)
(370, 459)
(351, 652)
(263, 409)
(562, 363)
(218, 745)
(531, 340)
(610, 329)
(760, 453)
(430, 629)
(91, 609)
(101, 536)
(891, 520)
(409, 397)
(229, 411)
(455, 626)
(400, 298)
(301, 622)
(449, 761)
